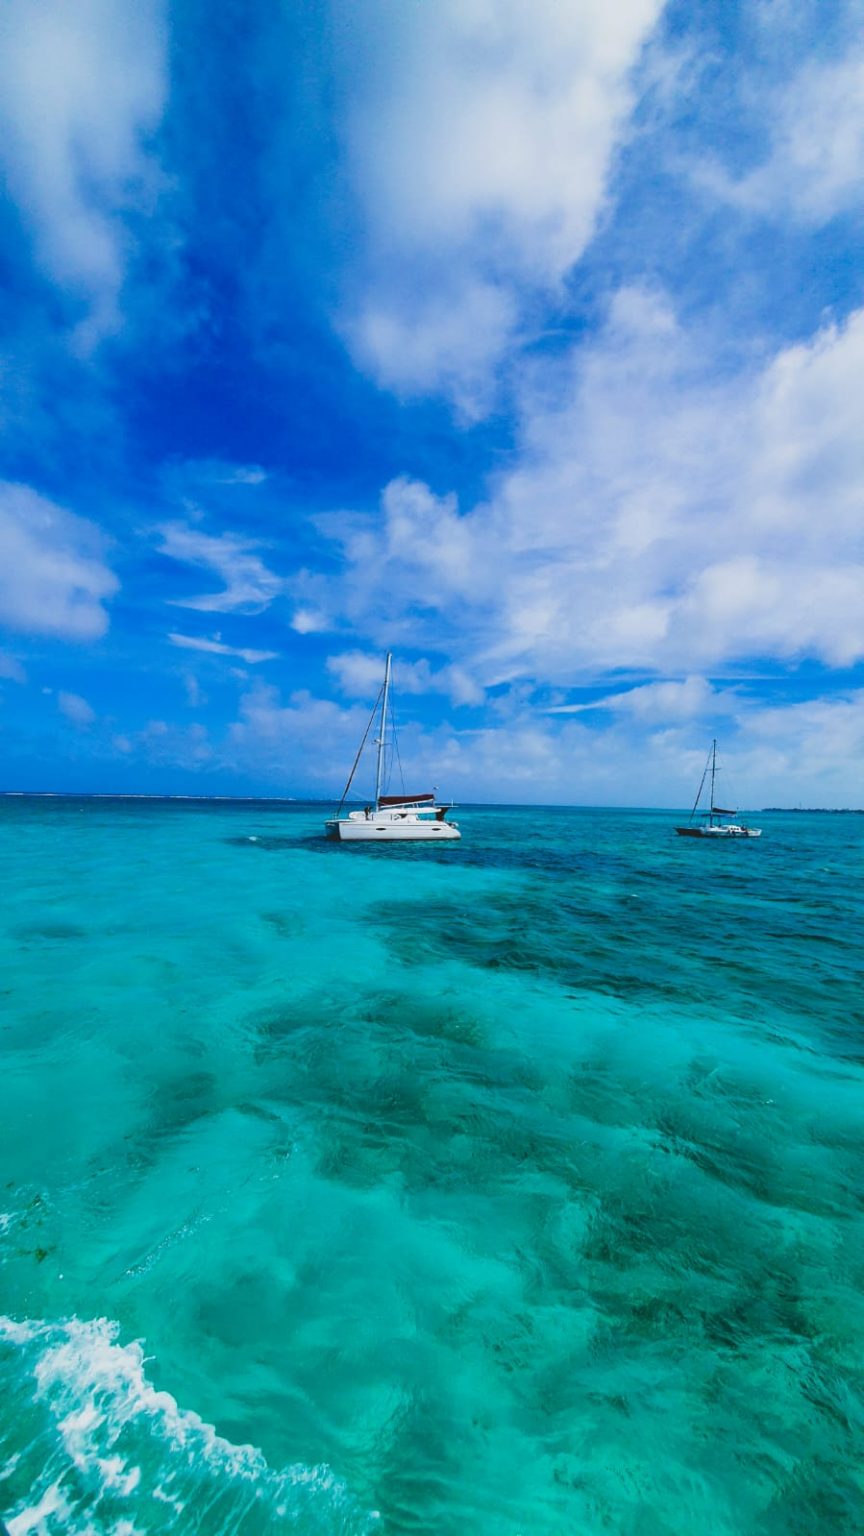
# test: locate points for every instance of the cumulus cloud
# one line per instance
(249, 586)
(658, 517)
(443, 342)
(53, 576)
(785, 754)
(306, 741)
(217, 647)
(479, 140)
(76, 709)
(82, 88)
(359, 676)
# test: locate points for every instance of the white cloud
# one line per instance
(218, 648)
(815, 164)
(185, 480)
(82, 88)
(661, 702)
(479, 138)
(659, 516)
(306, 742)
(194, 692)
(419, 535)
(236, 474)
(309, 621)
(53, 578)
(249, 586)
(774, 755)
(443, 342)
(11, 668)
(359, 676)
(76, 709)
(162, 743)
(781, 755)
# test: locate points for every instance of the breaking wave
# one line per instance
(100, 1452)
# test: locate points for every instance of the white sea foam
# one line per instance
(106, 1441)
(34, 1519)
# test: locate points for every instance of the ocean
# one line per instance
(512, 1186)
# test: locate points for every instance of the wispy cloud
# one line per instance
(82, 89)
(662, 702)
(814, 168)
(53, 575)
(217, 647)
(249, 586)
(76, 709)
(11, 668)
(195, 695)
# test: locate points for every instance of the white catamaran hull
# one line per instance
(390, 829)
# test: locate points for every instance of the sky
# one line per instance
(523, 338)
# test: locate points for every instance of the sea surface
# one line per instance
(514, 1186)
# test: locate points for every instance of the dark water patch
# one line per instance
(49, 932)
(396, 1083)
(273, 1027)
(666, 950)
(258, 1111)
(401, 1083)
(822, 1496)
(38, 1254)
(429, 1017)
(388, 1013)
(176, 1103)
(287, 924)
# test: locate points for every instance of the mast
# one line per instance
(380, 763)
(713, 773)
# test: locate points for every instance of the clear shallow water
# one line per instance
(510, 1187)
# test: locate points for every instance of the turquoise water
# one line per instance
(513, 1186)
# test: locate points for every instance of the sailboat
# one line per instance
(392, 818)
(713, 821)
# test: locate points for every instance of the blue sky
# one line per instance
(525, 339)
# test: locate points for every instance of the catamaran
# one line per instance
(713, 821)
(392, 818)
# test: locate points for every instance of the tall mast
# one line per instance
(380, 764)
(713, 772)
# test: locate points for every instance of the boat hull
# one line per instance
(379, 830)
(719, 832)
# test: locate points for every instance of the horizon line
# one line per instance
(299, 800)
